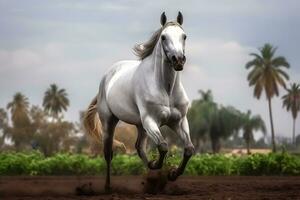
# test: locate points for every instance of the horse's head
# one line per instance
(173, 41)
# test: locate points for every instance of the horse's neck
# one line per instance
(164, 74)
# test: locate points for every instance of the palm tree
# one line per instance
(200, 117)
(206, 96)
(251, 124)
(267, 75)
(3, 126)
(19, 110)
(292, 103)
(55, 100)
(21, 123)
(225, 122)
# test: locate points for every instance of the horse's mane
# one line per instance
(145, 49)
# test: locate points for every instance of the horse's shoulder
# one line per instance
(179, 96)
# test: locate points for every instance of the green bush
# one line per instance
(34, 163)
(271, 164)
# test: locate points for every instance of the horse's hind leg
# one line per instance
(140, 144)
(109, 123)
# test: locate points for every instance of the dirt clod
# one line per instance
(85, 189)
(155, 181)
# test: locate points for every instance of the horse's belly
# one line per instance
(121, 102)
(123, 109)
(119, 92)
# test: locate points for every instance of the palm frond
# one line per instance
(280, 61)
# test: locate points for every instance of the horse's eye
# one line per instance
(184, 37)
(163, 37)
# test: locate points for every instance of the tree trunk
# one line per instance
(272, 126)
(294, 130)
(248, 147)
(17, 145)
(198, 144)
(216, 146)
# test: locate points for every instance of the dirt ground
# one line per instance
(133, 187)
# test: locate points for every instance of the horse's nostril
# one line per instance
(183, 58)
(174, 59)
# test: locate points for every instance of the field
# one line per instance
(65, 176)
(131, 187)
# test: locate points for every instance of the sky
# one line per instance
(72, 44)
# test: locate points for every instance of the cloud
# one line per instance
(32, 70)
(18, 59)
(99, 6)
(220, 64)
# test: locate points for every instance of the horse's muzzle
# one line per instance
(178, 62)
(178, 67)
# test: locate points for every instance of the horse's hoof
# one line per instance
(153, 165)
(172, 176)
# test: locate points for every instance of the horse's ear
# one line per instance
(163, 19)
(179, 18)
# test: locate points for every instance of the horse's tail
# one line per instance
(91, 121)
(93, 127)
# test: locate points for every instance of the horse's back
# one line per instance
(118, 90)
(119, 72)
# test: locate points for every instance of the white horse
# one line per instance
(147, 93)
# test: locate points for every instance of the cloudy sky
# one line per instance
(72, 43)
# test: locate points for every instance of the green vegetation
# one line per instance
(33, 127)
(209, 120)
(34, 163)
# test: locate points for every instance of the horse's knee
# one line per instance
(189, 151)
(163, 147)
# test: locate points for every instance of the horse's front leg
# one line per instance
(182, 129)
(152, 131)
